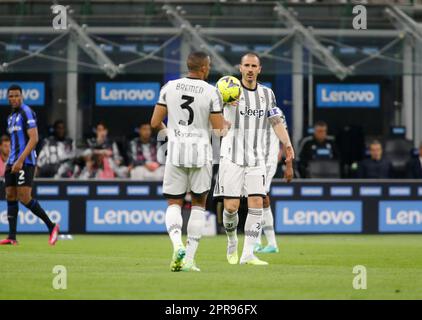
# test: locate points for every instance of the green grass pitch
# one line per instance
(137, 267)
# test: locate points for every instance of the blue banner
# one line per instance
(33, 92)
(128, 94)
(58, 211)
(126, 216)
(348, 95)
(318, 216)
(400, 216)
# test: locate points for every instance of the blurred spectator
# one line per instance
(4, 153)
(95, 166)
(376, 167)
(56, 151)
(90, 166)
(317, 147)
(108, 152)
(414, 169)
(142, 155)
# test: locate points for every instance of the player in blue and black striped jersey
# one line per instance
(20, 168)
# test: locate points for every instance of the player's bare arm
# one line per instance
(220, 125)
(282, 134)
(288, 172)
(160, 113)
(32, 143)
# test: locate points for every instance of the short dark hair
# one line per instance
(4, 138)
(375, 141)
(251, 53)
(196, 60)
(144, 123)
(14, 87)
(57, 122)
(320, 123)
(101, 123)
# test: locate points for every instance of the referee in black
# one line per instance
(20, 167)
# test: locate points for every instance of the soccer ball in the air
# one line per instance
(229, 88)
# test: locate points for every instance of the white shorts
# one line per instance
(271, 168)
(235, 181)
(179, 180)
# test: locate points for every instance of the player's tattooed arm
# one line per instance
(275, 120)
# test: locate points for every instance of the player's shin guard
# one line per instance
(12, 217)
(268, 227)
(230, 222)
(195, 226)
(252, 227)
(36, 209)
(174, 223)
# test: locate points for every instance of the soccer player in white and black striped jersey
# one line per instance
(192, 107)
(242, 158)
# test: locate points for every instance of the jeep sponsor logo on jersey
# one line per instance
(126, 216)
(252, 112)
(318, 216)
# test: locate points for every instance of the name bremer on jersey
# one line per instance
(190, 88)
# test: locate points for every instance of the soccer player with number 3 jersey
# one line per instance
(191, 105)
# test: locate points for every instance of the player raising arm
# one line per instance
(190, 104)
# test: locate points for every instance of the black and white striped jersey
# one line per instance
(245, 143)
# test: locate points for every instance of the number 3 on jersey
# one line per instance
(186, 105)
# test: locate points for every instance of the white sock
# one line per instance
(252, 227)
(230, 221)
(268, 227)
(174, 224)
(195, 226)
(259, 241)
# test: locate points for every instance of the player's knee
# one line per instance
(266, 201)
(231, 206)
(24, 197)
(255, 202)
(178, 202)
(11, 196)
(199, 201)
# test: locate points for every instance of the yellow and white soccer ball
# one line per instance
(229, 88)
